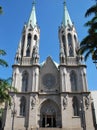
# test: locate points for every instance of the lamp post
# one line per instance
(13, 112)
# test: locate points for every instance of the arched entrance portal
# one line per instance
(50, 115)
(49, 119)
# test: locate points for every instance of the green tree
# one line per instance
(88, 45)
(3, 62)
(1, 10)
(5, 88)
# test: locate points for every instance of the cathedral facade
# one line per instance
(49, 95)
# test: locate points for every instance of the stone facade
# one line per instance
(50, 95)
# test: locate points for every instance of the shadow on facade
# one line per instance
(94, 116)
(0, 125)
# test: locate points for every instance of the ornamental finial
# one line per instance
(64, 2)
(34, 2)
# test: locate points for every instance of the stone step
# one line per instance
(57, 129)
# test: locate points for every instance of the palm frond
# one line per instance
(86, 40)
(2, 52)
(1, 11)
(89, 23)
(3, 63)
(5, 88)
(91, 10)
(87, 54)
(94, 55)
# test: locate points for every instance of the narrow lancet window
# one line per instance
(28, 52)
(75, 106)
(70, 45)
(29, 40)
(64, 44)
(24, 81)
(23, 42)
(73, 80)
(22, 106)
(75, 39)
(28, 45)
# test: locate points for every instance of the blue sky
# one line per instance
(49, 17)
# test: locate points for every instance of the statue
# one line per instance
(65, 102)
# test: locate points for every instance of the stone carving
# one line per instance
(35, 54)
(65, 102)
(87, 102)
(33, 102)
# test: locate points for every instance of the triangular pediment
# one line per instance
(49, 76)
(49, 63)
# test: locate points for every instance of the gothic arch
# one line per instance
(22, 106)
(75, 106)
(64, 43)
(29, 38)
(75, 39)
(70, 46)
(25, 77)
(73, 81)
(23, 42)
(50, 114)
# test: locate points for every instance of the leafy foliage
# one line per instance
(5, 88)
(3, 62)
(88, 45)
(1, 10)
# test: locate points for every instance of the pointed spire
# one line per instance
(66, 17)
(32, 20)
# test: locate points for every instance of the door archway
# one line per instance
(50, 114)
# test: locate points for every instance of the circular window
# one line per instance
(49, 80)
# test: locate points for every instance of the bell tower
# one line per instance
(68, 39)
(70, 60)
(28, 49)
(25, 77)
(73, 81)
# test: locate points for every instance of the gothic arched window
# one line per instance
(76, 44)
(73, 80)
(24, 81)
(64, 44)
(28, 45)
(63, 38)
(70, 44)
(28, 52)
(29, 40)
(23, 41)
(22, 106)
(75, 106)
(75, 39)
(35, 37)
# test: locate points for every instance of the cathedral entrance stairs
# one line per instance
(57, 129)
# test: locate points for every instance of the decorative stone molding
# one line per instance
(87, 102)
(33, 102)
(65, 102)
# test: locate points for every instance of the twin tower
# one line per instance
(29, 44)
(49, 95)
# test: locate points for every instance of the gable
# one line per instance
(49, 65)
(49, 76)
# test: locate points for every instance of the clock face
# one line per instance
(49, 80)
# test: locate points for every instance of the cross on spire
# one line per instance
(66, 16)
(34, 2)
(32, 20)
